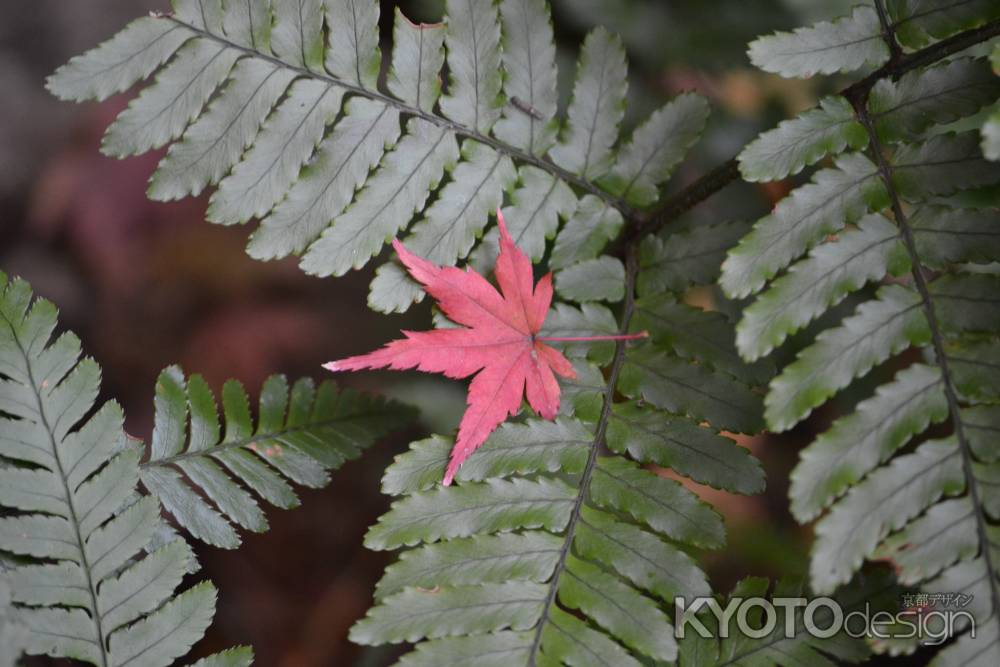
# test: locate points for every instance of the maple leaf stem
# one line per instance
(572, 339)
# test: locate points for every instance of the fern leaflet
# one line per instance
(301, 434)
(887, 486)
(82, 588)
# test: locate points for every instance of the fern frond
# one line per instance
(485, 578)
(279, 108)
(301, 433)
(70, 478)
(549, 550)
(881, 487)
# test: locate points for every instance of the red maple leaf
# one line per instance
(498, 340)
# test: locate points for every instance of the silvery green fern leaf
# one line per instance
(278, 107)
(880, 481)
(302, 432)
(84, 588)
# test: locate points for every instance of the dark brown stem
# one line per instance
(926, 56)
(888, 32)
(685, 200)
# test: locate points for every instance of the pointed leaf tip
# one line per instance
(504, 234)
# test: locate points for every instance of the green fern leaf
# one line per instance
(451, 224)
(693, 333)
(161, 113)
(564, 320)
(972, 364)
(674, 262)
(901, 110)
(832, 271)
(918, 21)
(297, 35)
(587, 232)
(599, 279)
(88, 595)
(270, 167)
(991, 128)
(877, 330)
(389, 199)
(496, 649)
(679, 386)
(486, 507)
(794, 144)
(413, 613)
(237, 657)
(991, 137)
(619, 609)
(639, 555)
(215, 142)
(942, 165)
(528, 556)
(953, 294)
(529, 62)
(131, 55)
(843, 45)
(597, 107)
(536, 206)
(473, 41)
(354, 23)
(486, 579)
(533, 446)
(662, 505)
(648, 160)
(951, 236)
(340, 165)
(857, 443)
(905, 109)
(884, 501)
(652, 436)
(800, 221)
(929, 508)
(944, 535)
(300, 434)
(278, 106)
(416, 59)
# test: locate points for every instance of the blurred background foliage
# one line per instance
(147, 284)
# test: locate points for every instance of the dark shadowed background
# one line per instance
(146, 285)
